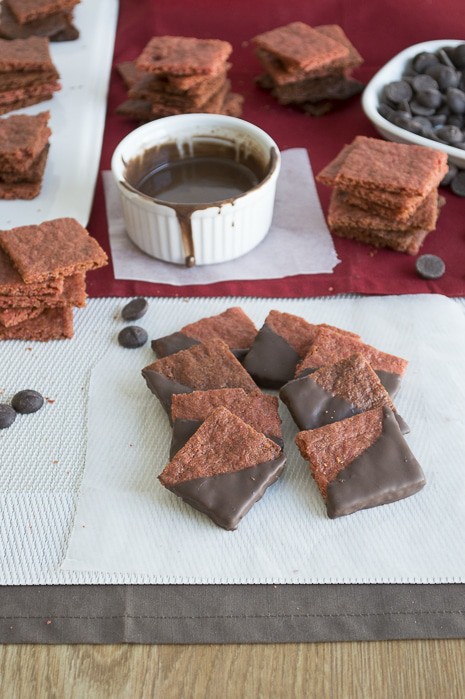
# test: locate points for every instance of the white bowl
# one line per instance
(392, 71)
(222, 230)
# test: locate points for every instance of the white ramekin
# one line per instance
(224, 230)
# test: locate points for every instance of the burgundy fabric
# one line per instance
(379, 30)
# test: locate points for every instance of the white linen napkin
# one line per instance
(298, 242)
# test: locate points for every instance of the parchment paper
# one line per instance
(298, 242)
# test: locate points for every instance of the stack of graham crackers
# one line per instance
(385, 194)
(27, 73)
(310, 67)
(179, 75)
(23, 155)
(42, 277)
(20, 19)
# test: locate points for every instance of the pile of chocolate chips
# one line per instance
(429, 100)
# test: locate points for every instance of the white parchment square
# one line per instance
(298, 242)
(126, 522)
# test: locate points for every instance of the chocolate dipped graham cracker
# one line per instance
(224, 468)
(329, 347)
(199, 368)
(232, 326)
(336, 392)
(279, 345)
(189, 410)
(361, 462)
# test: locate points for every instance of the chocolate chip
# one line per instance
(458, 184)
(424, 82)
(7, 416)
(132, 336)
(444, 58)
(135, 309)
(444, 75)
(429, 98)
(420, 109)
(455, 120)
(430, 266)
(398, 91)
(450, 134)
(424, 60)
(27, 401)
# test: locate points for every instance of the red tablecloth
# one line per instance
(378, 30)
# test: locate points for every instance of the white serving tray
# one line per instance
(77, 119)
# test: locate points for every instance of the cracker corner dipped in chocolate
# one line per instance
(361, 462)
(232, 326)
(335, 392)
(201, 367)
(224, 468)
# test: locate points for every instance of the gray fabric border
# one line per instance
(191, 614)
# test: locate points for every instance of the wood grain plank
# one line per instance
(385, 670)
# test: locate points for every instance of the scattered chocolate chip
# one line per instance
(430, 266)
(27, 401)
(7, 416)
(458, 184)
(132, 336)
(135, 309)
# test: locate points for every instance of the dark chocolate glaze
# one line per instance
(311, 406)
(170, 344)
(227, 497)
(390, 381)
(218, 157)
(271, 361)
(387, 471)
(163, 388)
(183, 429)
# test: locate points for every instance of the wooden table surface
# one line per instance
(381, 670)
